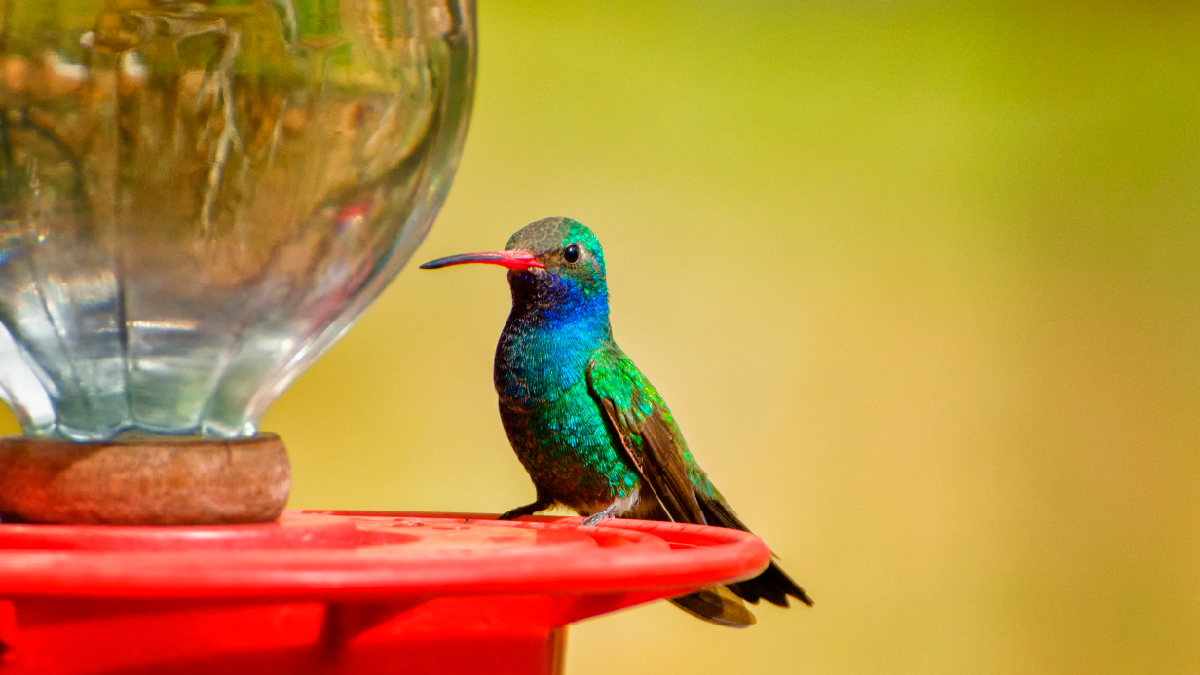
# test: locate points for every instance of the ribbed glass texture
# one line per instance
(196, 199)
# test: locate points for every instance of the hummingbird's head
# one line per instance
(564, 247)
(554, 261)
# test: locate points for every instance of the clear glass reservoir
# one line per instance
(197, 198)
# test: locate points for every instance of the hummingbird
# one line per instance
(589, 428)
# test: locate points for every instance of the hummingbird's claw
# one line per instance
(591, 520)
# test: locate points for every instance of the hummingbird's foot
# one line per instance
(591, 520)
(526, 510)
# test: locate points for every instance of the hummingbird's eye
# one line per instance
(571, 255)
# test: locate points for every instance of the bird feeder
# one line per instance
(196, 200)
(338, 592)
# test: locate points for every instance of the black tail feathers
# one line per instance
(773, 585)
(716, 605)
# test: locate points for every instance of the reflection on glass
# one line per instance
(196, 199)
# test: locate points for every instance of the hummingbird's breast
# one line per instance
(541, 355)
(554, 425)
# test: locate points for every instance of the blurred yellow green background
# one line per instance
(920, 281)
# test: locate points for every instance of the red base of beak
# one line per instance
(513, 260)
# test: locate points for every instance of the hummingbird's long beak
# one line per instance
(513, 260)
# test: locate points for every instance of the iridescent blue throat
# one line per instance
(555, 326)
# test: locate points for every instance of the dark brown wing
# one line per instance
(646, 432)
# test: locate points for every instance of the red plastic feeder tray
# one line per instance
(344, 592)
